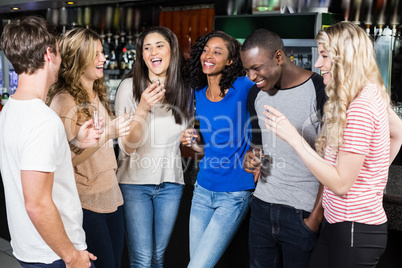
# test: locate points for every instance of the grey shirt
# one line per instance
(290, 182)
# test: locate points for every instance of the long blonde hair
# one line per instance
(78, 51)
(353, 66)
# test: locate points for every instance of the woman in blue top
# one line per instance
(223, 188)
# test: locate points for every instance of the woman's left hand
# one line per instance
(88, 135)
(277, 123)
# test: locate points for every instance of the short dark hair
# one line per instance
(264, 39)
(25, 41)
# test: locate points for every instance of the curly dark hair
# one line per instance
(197, 79)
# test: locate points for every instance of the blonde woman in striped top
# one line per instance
(359, 140)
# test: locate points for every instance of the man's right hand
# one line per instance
(82, 259)
(251, 164)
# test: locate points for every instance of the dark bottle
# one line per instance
(106, 52)
(4, 97)
(130, 50)
(123, 60)
(113, 61)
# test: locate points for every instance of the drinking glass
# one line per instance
(95, 119)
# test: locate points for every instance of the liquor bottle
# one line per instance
(106, 51)
(300, 59)
(113, 61)
(292, 58)
(307, 64)
(1, 76)
(4, 97)
(123, 60)
(130, 50)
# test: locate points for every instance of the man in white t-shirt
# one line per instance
(43, 208)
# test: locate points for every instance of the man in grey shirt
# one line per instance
(286, 210)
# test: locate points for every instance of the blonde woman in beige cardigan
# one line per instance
(77, 94)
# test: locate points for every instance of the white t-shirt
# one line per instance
(157, 158)
(32, 137)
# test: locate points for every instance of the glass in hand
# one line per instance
(95, 119)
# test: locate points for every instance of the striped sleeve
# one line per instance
(359, 129)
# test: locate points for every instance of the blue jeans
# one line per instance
(150, 213)
(214, 220)
(105, 236)
(278, 236)
(55, 264)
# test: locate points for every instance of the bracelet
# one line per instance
(74, 148)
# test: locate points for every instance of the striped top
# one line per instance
(366, 133)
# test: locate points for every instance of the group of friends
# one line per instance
(317, 201)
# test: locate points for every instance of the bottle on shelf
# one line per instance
(300, 60)
(106, 51)
(130, 50)
(1, 76)
(113, 61)
(123, 60)
(4, 97)
(292, 58)
(307, 64)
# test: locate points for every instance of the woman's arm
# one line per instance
(395, 131)
(151, 96)
(119, 127)
(338, 179)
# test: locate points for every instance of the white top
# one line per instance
(157, 158)
(32, 137)
(366, 133)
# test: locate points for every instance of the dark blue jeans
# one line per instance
(56, 264)
(105, 236)
(349, 245)
(278, 236)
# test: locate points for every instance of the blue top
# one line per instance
(224, 126)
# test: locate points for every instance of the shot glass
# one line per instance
(258, 152)
(95, 119)
(192, 132)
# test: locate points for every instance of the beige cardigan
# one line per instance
(96, 177)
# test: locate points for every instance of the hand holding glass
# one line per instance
(95, 119)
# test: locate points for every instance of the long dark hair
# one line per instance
(177, 95)
(197, 79)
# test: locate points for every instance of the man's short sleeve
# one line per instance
(40, 151)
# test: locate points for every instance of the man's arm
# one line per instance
(37, 189)
(251, 163)
(317, 214)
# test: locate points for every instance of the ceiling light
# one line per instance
(70, 3)
(15, 8)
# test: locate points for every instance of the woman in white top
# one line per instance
(359, 132)
(150, 170)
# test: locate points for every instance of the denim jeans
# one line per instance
(278, 236)
(150, 213)
(55, 264)
(214, 220)
(349, 244)
(105, 236)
